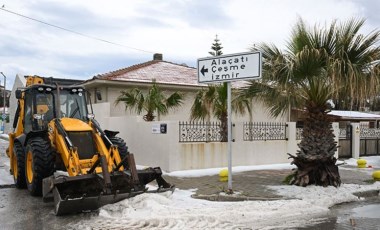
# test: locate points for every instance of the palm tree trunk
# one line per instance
(149, 117)
(224, 128)
(315, 160)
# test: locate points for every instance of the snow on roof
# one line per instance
(354, 115)
(161, 71)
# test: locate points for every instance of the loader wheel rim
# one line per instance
(29, 167)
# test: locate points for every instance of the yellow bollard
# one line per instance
(361, 163)
(223, 175)
(376, 175)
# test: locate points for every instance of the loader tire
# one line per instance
(18, 166)
(39, 164)
(122, 147)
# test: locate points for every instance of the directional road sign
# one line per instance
(231, 67)
(227, 68)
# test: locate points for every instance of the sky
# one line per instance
(101, 36)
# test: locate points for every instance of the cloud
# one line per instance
(182, 30)
(370, 11)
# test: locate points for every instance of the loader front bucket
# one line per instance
(90, 192)
(67, 205)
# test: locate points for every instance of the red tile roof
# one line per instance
(162, 71)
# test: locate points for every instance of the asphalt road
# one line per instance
(20, 210)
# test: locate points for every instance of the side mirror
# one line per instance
(90, 116)
(18, 94)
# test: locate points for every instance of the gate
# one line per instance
(369, 140)
(345, 140)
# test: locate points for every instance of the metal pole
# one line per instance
(229, 136)
(4, 95)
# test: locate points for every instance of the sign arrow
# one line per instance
(203, 70)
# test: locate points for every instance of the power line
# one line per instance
(72, 31)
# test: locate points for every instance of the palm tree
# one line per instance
(316, 67)
(212, 101)
(154, 101)
(354, 69)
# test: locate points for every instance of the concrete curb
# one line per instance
(366, 194)
(7, 186)
(231, 198)
(234, 198)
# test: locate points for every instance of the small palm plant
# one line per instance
(212, 101)
(154, 101)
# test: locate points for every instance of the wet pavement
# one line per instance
(19, 210)
(255, 183)
(251, 183)
(362, 215)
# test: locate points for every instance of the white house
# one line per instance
(169, 150)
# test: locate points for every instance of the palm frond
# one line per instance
(200, 109)
(151, 102)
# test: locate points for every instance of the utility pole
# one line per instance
(4, 101)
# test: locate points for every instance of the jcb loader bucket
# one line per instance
(91, 191)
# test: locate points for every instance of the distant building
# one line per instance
(7, 95)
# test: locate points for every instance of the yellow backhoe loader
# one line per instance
(59, 151)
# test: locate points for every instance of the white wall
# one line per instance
(182, 113)
(20, 81)
(166, 151)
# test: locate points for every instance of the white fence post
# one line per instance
(292, 138)
(355, 140)
(336, 131)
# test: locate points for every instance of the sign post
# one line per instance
(228, 68)
(229, 136)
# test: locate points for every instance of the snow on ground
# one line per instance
(180, 211)
(236, 169)
(373, 164)
(5, 177)
(301, 206)
(373, 161)
(306, 206)
(325, 197)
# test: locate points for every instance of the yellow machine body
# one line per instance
(53, 132)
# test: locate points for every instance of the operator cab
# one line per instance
(42, 104)
(73, 103)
